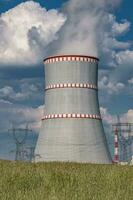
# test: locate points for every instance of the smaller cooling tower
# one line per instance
(72, 126)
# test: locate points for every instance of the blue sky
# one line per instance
(8, 4)
(24, 44)
(125, 12)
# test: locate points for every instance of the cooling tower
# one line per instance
(72, 128)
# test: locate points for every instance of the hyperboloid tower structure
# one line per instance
(72, 128)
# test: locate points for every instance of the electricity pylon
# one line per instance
(31, 154)
(20, 152)
(125, 139)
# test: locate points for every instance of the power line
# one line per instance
(31, 154)
(20, 136)
(125, 139)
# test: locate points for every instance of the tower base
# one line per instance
(72, 141)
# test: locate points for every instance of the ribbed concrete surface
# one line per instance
(71, 139)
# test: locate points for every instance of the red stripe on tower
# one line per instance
(81, 58)
(116, 147)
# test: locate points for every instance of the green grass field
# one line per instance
(69, 181)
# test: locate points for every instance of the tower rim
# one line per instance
(70, 55)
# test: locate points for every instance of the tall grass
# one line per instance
(65, 181)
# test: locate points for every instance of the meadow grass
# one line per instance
(65, 181)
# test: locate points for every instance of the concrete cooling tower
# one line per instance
(72, 128)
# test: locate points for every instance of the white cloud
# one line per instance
(121, 28)
(8, 92)
(29, 32)
(19, 115)
(111, 87)
(125, 58)
(10, 112)
(111, 119)
(128, 117)
(107, 117)
(26, 30)
(130, 81)
(2, 102)
(26, 91)
(112, 43)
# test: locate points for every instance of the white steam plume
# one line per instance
(29, 32)
(90, 29)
